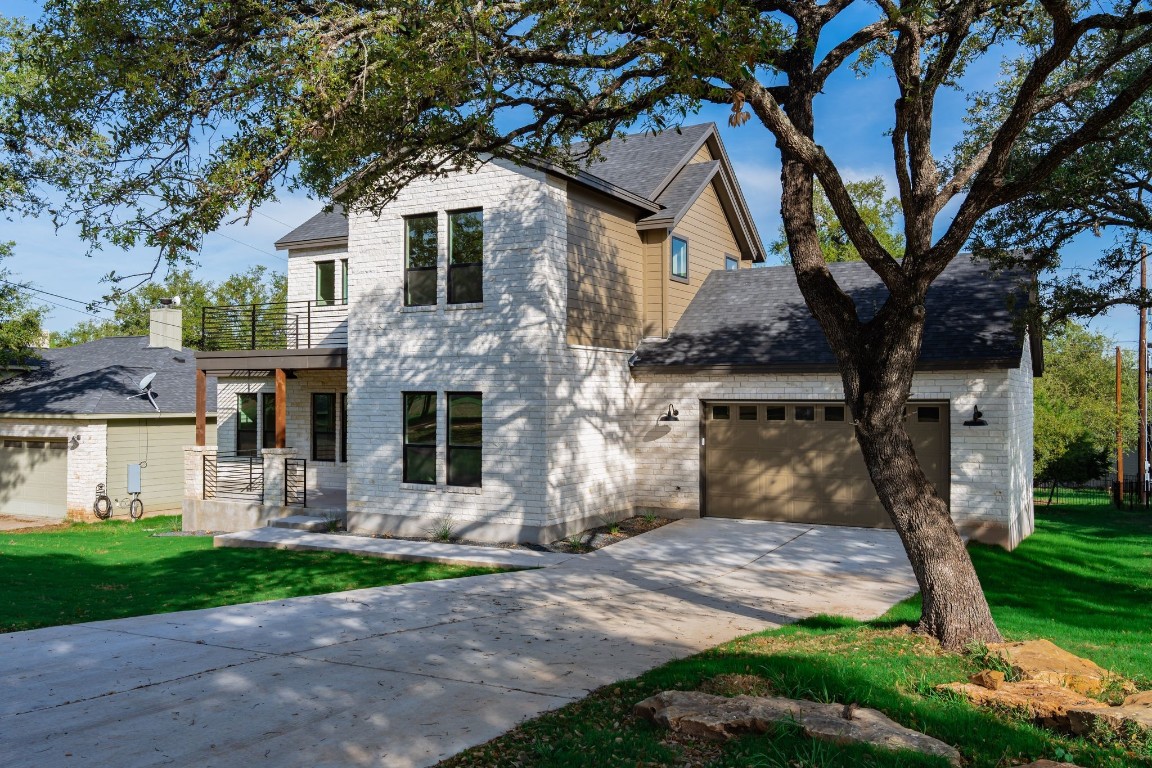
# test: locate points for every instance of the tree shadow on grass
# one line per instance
(48, 589)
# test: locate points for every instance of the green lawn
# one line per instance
(1083, 580)
(89, 572)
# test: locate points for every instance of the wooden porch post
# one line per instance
(201, 407)
(281, 408)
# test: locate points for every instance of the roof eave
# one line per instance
(320, 242)
(724, 369)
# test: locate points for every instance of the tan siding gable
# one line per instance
(710, 239)
(605, 273)
(703, 155)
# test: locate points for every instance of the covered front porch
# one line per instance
(281, 439)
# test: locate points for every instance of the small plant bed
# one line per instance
(1082, 581)
(579, 543)
(608, 534)
(93, 571)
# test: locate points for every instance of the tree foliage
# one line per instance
(20, 318)
(878, 209)
(1104, 190)
(1075, 405)
(206, 105)
(256, 285)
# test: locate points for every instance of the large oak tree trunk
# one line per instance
(877, 355)
(954, 611)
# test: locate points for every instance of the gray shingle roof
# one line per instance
(678, 196)
(645, 163)
(326, 225)
(757, 319)
(98, 376)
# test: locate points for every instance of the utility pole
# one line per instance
(1142, 447)
(1119, 432)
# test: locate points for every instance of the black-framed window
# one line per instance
(465, 438)
(343, 281)
(246, 409)
(326, 283)
(731, 263)
(679, 258)
(343, 426)
(805, 413)
(774, 413)
(465, 257)
(323, 426)
(420, 249)
(268, 415)
(833, 413)
(420, 437)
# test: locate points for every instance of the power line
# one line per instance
(84, 304)
(249, 245)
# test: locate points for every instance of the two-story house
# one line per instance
(524, 352)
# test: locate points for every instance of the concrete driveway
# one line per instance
(409, 675)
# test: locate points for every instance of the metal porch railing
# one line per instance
(239, 478)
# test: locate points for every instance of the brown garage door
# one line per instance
(33, 477)
(799, 462)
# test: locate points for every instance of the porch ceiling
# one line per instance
(247, 361)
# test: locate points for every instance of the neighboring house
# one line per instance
(498, 350)
(68, 424)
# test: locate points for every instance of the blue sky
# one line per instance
(853, 115)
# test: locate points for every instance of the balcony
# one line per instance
(292, 325)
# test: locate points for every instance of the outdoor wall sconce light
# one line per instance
(670, 415)
(977, 419)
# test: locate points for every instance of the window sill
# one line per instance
(419, 308)
(469, 305)
(466, 489)
(676, 279)
(426, 487)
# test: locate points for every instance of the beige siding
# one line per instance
(703, 155)
(605, 273)
(655, 281)
(159, 442)
(710, 238)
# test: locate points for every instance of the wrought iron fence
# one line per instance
(1092, 493)
(1129, 494)
(296, 482)
(240, 478)
(280, 325)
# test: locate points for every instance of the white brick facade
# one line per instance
(570, 437)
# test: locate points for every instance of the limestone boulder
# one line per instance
(1045, 661)
(718, 718)
(1135, 712)
(1044, 703)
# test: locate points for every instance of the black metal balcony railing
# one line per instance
(295, 482)
(281, 325)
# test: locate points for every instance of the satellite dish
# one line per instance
(145, 388)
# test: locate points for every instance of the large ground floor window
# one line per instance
(420, 437)
(323, 426)
(465, 438)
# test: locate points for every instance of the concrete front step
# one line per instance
(391, 549)
(310, 523)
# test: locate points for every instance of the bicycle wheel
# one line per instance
(136, 509)
(103, 507)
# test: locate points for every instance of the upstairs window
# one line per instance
(731, 263)
(325, 283)
(344, 280)
(465, 438)
(245, 424)
(465, 257)
(679, 259)
(420, 248)
(420, 437)
(323, 426)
